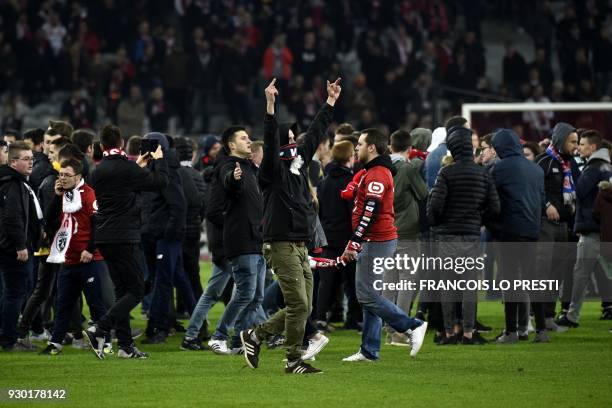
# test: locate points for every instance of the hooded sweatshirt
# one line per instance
(520, 185)
(373, 216)
(464, 195)
(288, 210)
(437, 150)
(553, 173)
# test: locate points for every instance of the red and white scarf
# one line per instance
(113, 151)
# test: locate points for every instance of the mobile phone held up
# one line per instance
(148, 146)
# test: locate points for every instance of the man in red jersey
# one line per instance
(374, 239)
(74, 207)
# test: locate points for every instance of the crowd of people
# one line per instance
(141, 62)
(295, 225)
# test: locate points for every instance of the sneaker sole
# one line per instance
(245, 351)
(316, 351)
(91, 346)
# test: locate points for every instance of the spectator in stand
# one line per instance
(157, 112)
(277, 61)
(78, 110)
(514, 69)
(131, 113)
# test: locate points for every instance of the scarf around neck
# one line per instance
(289, 152)
(114, 151)
(71, 203)
(569, 190)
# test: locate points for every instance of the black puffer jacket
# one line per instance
(464, 195)
(117, 182)
(288, 209)
(334, 212)
(243, 210)
(195, 193)
(19, 225)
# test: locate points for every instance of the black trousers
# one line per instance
(517, 255)
(128, 278)
(191, 264)
(45, 284)
(72, 280)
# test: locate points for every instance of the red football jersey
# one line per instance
(377, 184)
(81, 227)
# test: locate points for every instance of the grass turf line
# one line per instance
(574, 370)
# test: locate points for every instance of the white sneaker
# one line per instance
(416, 338)
(219, 347)
(530, 328)
(400, 339)
(44, 336)
(357, 357)
(315, 347)
(79, 344)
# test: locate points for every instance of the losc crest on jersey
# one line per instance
(375, 187)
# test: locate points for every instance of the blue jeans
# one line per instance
(221, 274)
(14, 275)
(249, 272)
(169, 274)
(71, 281)
(375, 307)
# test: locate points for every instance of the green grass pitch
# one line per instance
(574, 370)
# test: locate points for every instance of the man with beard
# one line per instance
(375, 236)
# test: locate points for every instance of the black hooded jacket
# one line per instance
(287, 201)
(168, 206)
(553, 173)
(334, 212)
(19, 226)
(520, 185)
(194, 190)
(464, 195)
(243, 210)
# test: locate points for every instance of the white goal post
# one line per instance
(468, 108)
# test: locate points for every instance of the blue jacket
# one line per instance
(520, 185)
(433, 163)
(597, 169)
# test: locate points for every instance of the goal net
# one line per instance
(533, 121)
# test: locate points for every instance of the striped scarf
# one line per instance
(569, 190)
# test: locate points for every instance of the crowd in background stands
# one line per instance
(135, 62)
